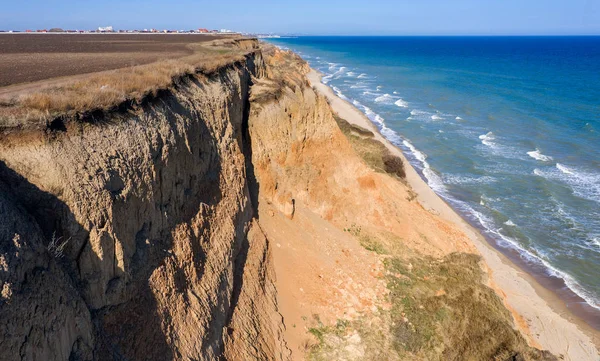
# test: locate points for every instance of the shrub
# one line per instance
(393, 165)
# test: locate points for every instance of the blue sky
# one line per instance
(338, 17)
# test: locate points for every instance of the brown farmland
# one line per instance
(33, 57)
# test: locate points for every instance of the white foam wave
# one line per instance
(563, 169)
(432, 178)
(585, 184)
(385, 98)
(351, 73)
(596, 241)
(488, 139)
(510, 223)
(339, 93)
(537, 155)
(326, 79)
(370, 93)
(362, 76)
(401, 103)
(359, 86)
(416, 112)
(462, 179)
(458, 118)
(436, 117)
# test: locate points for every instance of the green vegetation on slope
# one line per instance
(373, 152)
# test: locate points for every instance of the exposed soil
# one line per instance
(32, 57)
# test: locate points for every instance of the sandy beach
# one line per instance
(539, 314)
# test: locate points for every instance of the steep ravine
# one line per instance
(210, 222)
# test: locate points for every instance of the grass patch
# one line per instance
(372, 151)
(441, 310)
(369, 242)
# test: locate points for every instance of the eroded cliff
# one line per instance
(132, 235)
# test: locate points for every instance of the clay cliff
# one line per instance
(132, 235)
(148, 232)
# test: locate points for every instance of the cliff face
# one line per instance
(132, 235)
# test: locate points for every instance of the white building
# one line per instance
(108, 29)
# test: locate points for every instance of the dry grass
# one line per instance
(107, 90)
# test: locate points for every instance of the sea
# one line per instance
(505, 129)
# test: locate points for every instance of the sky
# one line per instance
(312, 17)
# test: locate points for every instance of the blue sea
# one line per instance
(505, 129)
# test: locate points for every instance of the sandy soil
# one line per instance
(33, 57)
(540, 315)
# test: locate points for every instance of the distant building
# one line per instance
(107, 29)
(203, 31)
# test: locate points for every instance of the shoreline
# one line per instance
(540, 314)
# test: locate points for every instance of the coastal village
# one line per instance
(111, 30)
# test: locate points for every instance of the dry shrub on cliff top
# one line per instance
(106, 90)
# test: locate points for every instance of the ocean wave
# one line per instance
(351, 73)
(362, 76)
(537, 155)
(564, 169)
(464, 179)
(401, 103)
(416, 112)
(385, 98)
(335, 75)
(370, 93)
(388, 133)
(458, 118)
(488, 139)
(395, 92)
(584, 184)
(359, 85)
(339, 93)
(510, 223)
(433, 179)
(436, 117)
